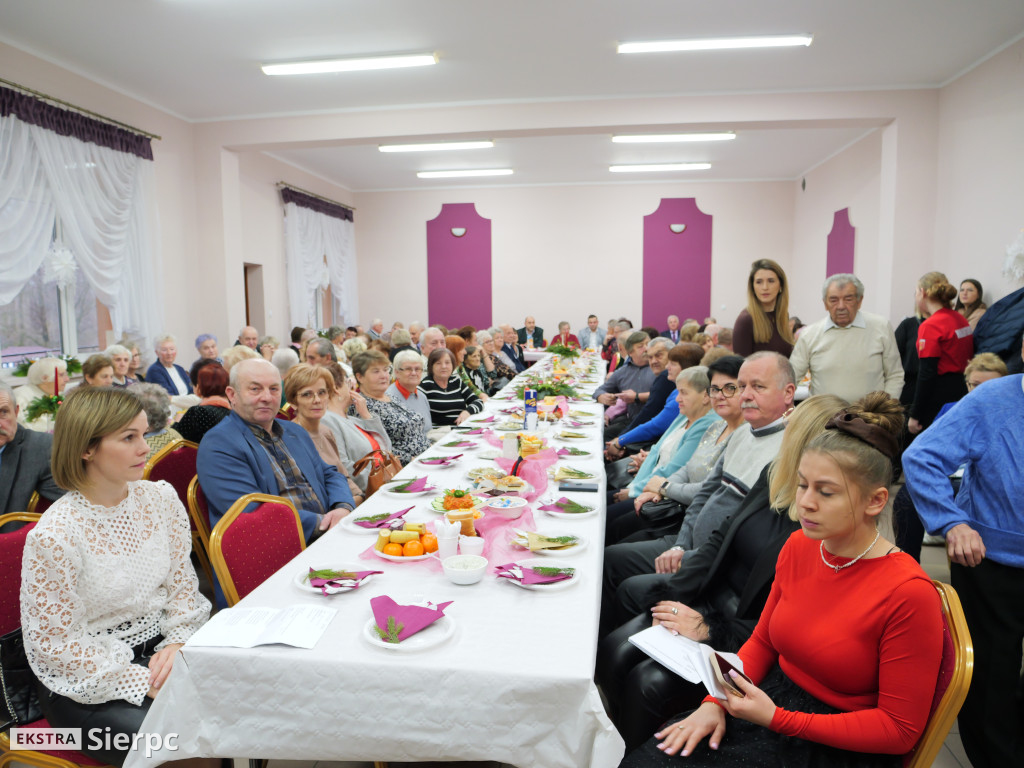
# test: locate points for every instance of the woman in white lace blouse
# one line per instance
(108, 593)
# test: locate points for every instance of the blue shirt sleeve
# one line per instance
(656, 427)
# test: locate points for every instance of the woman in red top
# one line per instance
(846, 653)
(565, 338)
(945, 345)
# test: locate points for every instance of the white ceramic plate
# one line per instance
(585, 476)
(302, 582)
(347, 523)
(571, 437)
(437, 633)
(440, 446)
(566, 515)
(570, 457)
(554, 586)
(402, 558)
(422, 461)
(579, 546)
(405, 494)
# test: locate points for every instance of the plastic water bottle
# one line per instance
(530, 410)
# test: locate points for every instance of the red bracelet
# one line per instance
(714, 700)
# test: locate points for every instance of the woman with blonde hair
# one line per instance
(843, 661)
(945, 345)
(108, 592)
(764, 324)
(716, 594)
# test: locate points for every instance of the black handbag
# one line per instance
(662, 511)
(20, 704)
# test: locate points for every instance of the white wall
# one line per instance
(543, 236)
(851, 179)
(980, 190)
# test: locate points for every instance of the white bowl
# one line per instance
(464, 569)
(511, 507)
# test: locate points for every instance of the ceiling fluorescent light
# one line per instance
(659, 167)
(716, 44)
(669, 138)
(437, 147)
(464, 174)
(351, 65)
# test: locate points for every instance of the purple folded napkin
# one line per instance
(512, 410)
(396, 623)
(526, 575)
(575, 423)
(333, 586)
(376, 521)
(477, 431)
(553, 506)
(565, 452)
(460, 444)
(488, 420)
(413, 486)
(442, 461)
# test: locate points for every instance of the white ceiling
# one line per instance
(200, 60)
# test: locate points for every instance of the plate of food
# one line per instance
(569, 473)
(411, 543)
(549, 544)
(480, 473)
(509, 426)
(566, 434)
(458, 498)
(572, 453)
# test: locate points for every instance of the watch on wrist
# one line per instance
(676, 548)
(661, 490)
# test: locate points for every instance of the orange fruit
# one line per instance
(393, 549)
(412, 548)
(429, 542)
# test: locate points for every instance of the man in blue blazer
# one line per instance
(251, 451)
(164, 372)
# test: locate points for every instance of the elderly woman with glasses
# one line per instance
(497, 371)
(310, 388)
(405, 390)
(405, 428)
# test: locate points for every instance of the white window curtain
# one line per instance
(319, 251)
(105, 202)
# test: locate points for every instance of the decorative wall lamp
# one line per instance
(458, 231)
(677, 228)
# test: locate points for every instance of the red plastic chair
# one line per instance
(248, 547)
(12, 548)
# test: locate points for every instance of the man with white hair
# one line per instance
(511, 350)
(376, 328)
(712, 329)
(672, 333)
(248, 337)
(24, 459)
(431, 339)
(252, 451)
(850, 352)
(415, 329)
(321, 352)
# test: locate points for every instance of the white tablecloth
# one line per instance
(513, 684)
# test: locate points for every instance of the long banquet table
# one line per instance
(514, 683)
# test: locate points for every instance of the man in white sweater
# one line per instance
(850, 352)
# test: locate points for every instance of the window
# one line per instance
(45, 319)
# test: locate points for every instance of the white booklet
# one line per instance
(301, 626)
(687, 658)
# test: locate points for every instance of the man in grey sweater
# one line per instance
(766, 387)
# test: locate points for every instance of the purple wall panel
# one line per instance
(677, 266)
(459, 268)
(839, 259)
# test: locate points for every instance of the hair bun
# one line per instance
(881, 410)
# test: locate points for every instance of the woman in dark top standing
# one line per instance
(451, 401)
(764, 324)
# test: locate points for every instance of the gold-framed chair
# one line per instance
(954, 679)
(247, 547)
(37, 503)
(12, 545)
